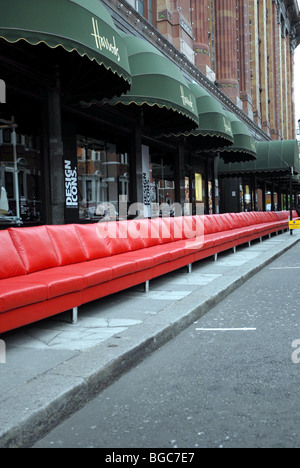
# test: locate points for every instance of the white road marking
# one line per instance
(226, 329)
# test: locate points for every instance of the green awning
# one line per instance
(159, 88)
(214, 129)
(84, 27)
(274, 159)
(243, 148)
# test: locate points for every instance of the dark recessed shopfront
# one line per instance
(86, 131)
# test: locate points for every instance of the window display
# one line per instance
(20, 178)
(162, 183)
(103, 179)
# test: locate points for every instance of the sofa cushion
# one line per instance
(94, 244)
(210, 224)
(184, 227)
(134, 231)
(91, 273)
(222, 222)
(232, 220)
(10, 262)
(67, 244)
(153, 229)
(168, 230)
(35, 248)
(199, 225)
(159, 232)
(113, 236)
(119, 266)
(142, 259)
(178, 248)
(199, 243)
(20, 292)
(159, 253)
(59, 281)
(244, 219)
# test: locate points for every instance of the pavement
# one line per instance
(53, 367)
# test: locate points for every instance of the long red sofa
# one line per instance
(47, 270)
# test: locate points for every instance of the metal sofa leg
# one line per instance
(249, 243)
(189, 268)
(74, 316)
(215, 257)
(234, 249)
(147, 286)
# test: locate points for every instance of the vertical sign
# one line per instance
(71, 185)
(146, 181)
(70, 173)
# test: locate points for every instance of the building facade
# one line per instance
(245, 47)
(72, 153)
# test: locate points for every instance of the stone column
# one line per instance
(244, 68)
(255, 78)
(226, 47)
(263, 57)
(284, 84)
(201, 47)
(279, 76)
(271, 33)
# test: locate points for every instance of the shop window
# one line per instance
(150, 11)
(20, 179)
(247, 198)
(103, 179)
(162, 184)
(144, 8)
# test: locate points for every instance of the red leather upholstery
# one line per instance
(94, 242)
(35, 248)
(58, 282)
(10, 262)
(67, 245)
(16, 293)
(46, 270)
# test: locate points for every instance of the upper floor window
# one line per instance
(139, 6)
(144, 8)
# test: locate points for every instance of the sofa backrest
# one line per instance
(133, 232)
(67, 245)
(11, 264)
(34, 247)
(93, 240)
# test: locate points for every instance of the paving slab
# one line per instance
(53, 367)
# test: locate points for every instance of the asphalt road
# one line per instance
(231, 380)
